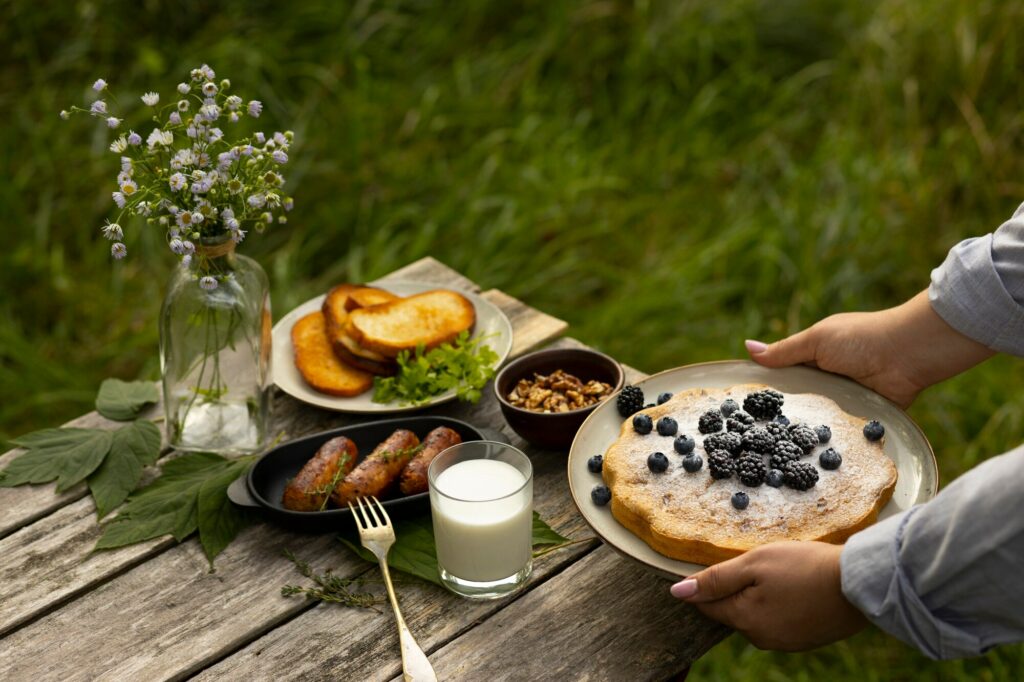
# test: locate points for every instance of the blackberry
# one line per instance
(739, 422)
(873, 430)
(642, 424)
(630, 401)
(774, 478)
(757, 439)
(800, 475)
(778, 431)
(803, 436)
(729, 407)
(667, 426)
(782, 419)
(723, 440)
(740, 500)
(601, 495)
(664, 398)
(784, 452)
(721, 464)
(763, 405)
(684, 444)
(824, 433)
(693, 463)
(595, 464)
(710, 422)
(830, 459)
(751, 469)
(657, 462)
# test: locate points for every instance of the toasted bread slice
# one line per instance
(364, 297)
(352, 353)
(348, 351)
(430, 318)
(333, 308)
(319, 366)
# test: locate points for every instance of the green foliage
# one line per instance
(464, 365)
(668, 177)
(190, 495)
(123, 400)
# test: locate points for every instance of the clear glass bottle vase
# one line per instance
(215, 352)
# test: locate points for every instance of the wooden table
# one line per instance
(155, 611)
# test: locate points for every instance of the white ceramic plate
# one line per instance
(905, 443)
(490, 321)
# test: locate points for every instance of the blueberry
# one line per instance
(601, 495)
(740, 500)
(657, 462)
(595, 464)
(664, 398)
(642, 424)
(824, 433)
(729, 407)
(693, 462)
(873, 430)
(684, 444)
(774, 478)
(782, 419)
(648, 405)
(830, 459)
(667, 426)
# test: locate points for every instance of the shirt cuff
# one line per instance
(967, 292)
(874, 581)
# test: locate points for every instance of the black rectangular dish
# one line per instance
(263, 486)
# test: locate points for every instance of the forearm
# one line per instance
(945, 576)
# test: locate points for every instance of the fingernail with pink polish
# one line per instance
(684, 589)
(755, 347)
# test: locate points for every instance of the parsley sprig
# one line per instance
(465, 365)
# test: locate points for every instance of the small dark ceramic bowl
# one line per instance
(554, 431)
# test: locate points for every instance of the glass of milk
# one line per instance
(481, 501)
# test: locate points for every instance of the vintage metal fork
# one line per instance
(377, 535)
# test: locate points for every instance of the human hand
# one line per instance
(897, 352)
(785, 596)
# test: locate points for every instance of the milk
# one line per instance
(484, 534)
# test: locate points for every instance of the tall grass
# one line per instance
(670, 177)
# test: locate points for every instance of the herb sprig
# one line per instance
(329, 587)
(465, 365)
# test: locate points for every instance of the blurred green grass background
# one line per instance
(669, 177)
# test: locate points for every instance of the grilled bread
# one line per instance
(318, 364)
(689, 516)
(364, 297)
(430, 319)
(336, 309)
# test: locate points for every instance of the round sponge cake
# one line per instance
(690, 517)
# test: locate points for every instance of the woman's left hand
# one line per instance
(785, 596)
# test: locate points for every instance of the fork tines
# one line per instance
(371, 514)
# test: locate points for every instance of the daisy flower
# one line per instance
(99, 84)
(255, 108)
(151, 99)
(118, 199)
(113, 122)
(183, 88)
(208, 283)
(174, 118)
(233, 102)
(129, 188)
(257, 200)
(134, 138)
(118, 250)
(209, 89)
(177, 182)
(279, 156)
(98, 107)
(112, 231)
(182, 105)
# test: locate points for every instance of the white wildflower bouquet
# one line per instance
(187, 176)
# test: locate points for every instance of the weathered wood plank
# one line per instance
(532, 327)
(27, 503)
(603, 618)
(431, 270)
(169, 617)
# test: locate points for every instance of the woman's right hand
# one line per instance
(897, 352)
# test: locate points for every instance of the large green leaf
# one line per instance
(68, 455)
(414, 552)
(134, 446)
(168, 506)
(219, 519)
(124, 400)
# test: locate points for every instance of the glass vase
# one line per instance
(215, 352)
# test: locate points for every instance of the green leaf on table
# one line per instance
(220, 520)
(124, 400)
(134, 447)
(414, 552)
(188, 496)
(68, 455)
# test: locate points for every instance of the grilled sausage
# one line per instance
(379, 470)
(414, 475)
(332, 462)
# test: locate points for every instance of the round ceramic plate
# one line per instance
(905, 443)
(490, 322)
